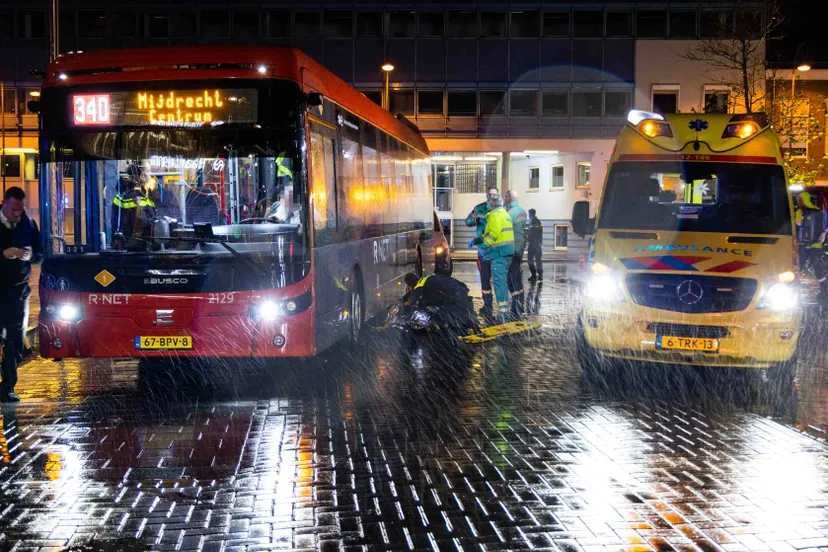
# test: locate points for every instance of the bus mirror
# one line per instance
(581, 223)
(314, 99)
(34, 106)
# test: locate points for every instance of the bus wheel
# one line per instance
(357, 305)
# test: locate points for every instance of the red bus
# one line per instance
(221, 202)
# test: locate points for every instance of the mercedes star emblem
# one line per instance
(690, 292)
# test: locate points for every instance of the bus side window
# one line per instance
(323, 186)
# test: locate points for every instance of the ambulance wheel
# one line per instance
(595, 367)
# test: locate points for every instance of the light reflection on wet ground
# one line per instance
(415, 446)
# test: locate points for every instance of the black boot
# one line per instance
(533, 277)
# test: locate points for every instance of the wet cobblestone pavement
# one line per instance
(399, 446)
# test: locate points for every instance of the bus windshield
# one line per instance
(697, 197)
(156, 190)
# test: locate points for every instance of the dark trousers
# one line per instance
(14, 319)
(815, 256)
(534, 259)
(515, 283)
(485, 269)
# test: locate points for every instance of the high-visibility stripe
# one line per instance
(421, 282)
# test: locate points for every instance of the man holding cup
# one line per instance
(21, 247)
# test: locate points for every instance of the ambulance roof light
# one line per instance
(636, 116)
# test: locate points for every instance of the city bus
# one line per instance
(693, 254)
(221, 202)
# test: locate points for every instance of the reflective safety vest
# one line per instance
(499, 236)
(421, 283)
(282, 166)
(130, 203)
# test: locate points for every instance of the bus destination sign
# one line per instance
(174, 108)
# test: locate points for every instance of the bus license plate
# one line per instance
(704, 345)
(146, 342)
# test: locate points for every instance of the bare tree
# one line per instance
(735, 57)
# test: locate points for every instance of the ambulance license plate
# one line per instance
(157, 342)
(701, 344)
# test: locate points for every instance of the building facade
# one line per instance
(526, 96)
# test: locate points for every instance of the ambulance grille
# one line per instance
(718, 294)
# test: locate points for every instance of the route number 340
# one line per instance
(221, 298)
(91, 109)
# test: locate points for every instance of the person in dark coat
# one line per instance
(21, 247)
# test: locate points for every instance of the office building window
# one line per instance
(555, 24)
(402, 101)
(525, 24)
(373, 95)
(31, 24)
(534, 178)
(23, 97)
(493, 24)
(432, 24)
(665, 101)
(246, 24)
(716, 101)
(523, 103)
(369, 23)
(278, 24)
(462, 103)
(7, 24)
(555, 103)
(185, 24)
(401, 24)
(215, 23)
(463, 24)
(588, 24)
(619, 24)
(492, 102)
(154, 25)
(651, 24)
(338, 24)
(617, 103)
(11, 165)
(92, 24)
(583, 175)
(307, 24)
(430, 102)
(10, 101)
(586, 104)
(715, 23)
(682, 24)
(68, 24)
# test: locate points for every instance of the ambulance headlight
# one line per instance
(603, 286)
(780, 297)
(742, 130)
(655, 128)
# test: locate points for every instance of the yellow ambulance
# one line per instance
(693, 254)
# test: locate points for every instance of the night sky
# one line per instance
(802, 39)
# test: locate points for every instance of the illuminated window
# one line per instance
(23, 97)
(583, 175)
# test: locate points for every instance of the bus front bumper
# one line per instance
(748, 339)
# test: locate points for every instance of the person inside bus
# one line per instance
(132, 210)
(202, 202)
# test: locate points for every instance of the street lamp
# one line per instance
(387, 67)
(802, 68)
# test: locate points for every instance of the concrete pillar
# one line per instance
(505, 168)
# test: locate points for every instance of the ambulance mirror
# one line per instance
(581, 223)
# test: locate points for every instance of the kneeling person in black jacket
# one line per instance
(445, 299)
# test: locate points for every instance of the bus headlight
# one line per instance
(268, 310)
(65, 313)
(780, 297)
